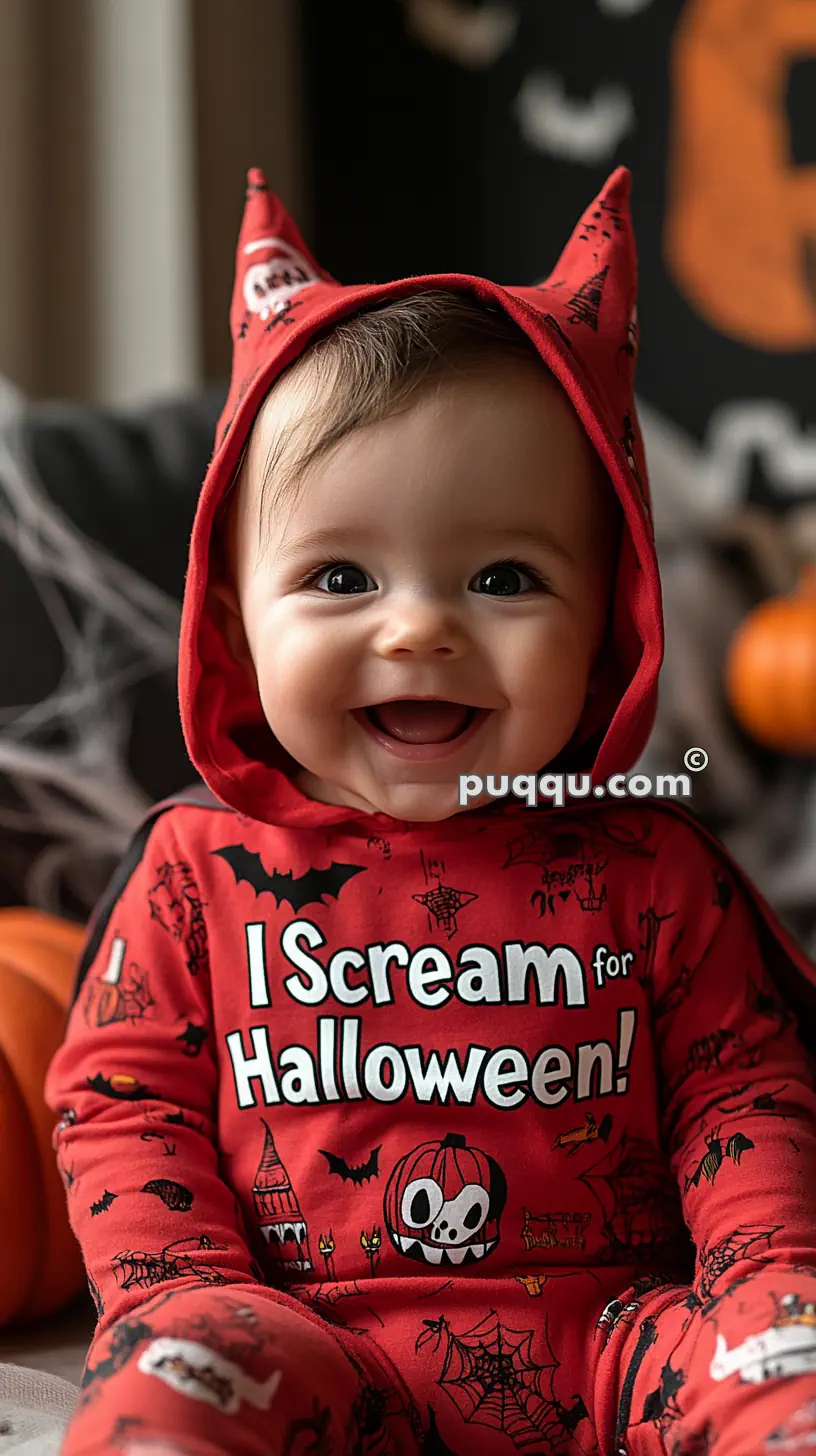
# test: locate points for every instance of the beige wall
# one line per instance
(126, 130)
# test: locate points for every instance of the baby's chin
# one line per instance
(421, 806)
(420, 803)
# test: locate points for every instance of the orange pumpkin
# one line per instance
(40, 1264)
(771, 670)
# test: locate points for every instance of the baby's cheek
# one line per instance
(288, 671)
(302, 702)
(551, 706)
(548, 664)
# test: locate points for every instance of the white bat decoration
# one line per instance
(622, 9)
(473, 38)
(578, 131)
(691, 479)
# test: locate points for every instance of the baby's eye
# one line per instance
(343, 579)
(502, 579)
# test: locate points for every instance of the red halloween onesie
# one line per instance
(475, 1136)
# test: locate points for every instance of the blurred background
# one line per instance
(406, 136)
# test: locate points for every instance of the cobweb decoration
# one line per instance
(65, 757)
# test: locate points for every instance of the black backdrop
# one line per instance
(423, 159)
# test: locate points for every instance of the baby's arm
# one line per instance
(739, 1121)
(135, 1090)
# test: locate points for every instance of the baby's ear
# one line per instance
(225, 611)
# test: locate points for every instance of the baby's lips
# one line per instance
(156, 1447)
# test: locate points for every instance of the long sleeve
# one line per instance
(134, 1087)
(190, 1340)
(739, 1110)
(739, 1121)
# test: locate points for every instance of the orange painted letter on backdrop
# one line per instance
(740, 230)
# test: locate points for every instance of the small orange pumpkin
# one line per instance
(771, 670)
(40, 1264)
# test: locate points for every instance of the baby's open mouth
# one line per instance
(414, 720)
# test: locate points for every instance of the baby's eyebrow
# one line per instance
(321, 541)
(533, 536)
(329, 540)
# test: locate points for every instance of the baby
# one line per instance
(396, 1118)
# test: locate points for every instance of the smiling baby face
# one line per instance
(434, 601)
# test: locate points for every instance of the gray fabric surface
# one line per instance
(35, 1409)
(761, 804)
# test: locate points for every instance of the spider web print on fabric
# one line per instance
(640, 1208)
(442, 902)
(65, 757)
(750, 1243)
(491, 1376)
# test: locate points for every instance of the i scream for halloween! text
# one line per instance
(339, 1068)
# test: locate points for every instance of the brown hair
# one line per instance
(372, 364)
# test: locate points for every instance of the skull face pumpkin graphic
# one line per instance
(444, 1201)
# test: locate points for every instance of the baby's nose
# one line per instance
(423, 626)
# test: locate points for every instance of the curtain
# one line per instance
(45, 252)
(126, 131)
(248, 113)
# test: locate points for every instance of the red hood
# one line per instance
(582, 321)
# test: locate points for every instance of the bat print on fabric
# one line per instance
(192, 1039)
(101, 1205)
(309, 888)
(361, 1173)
